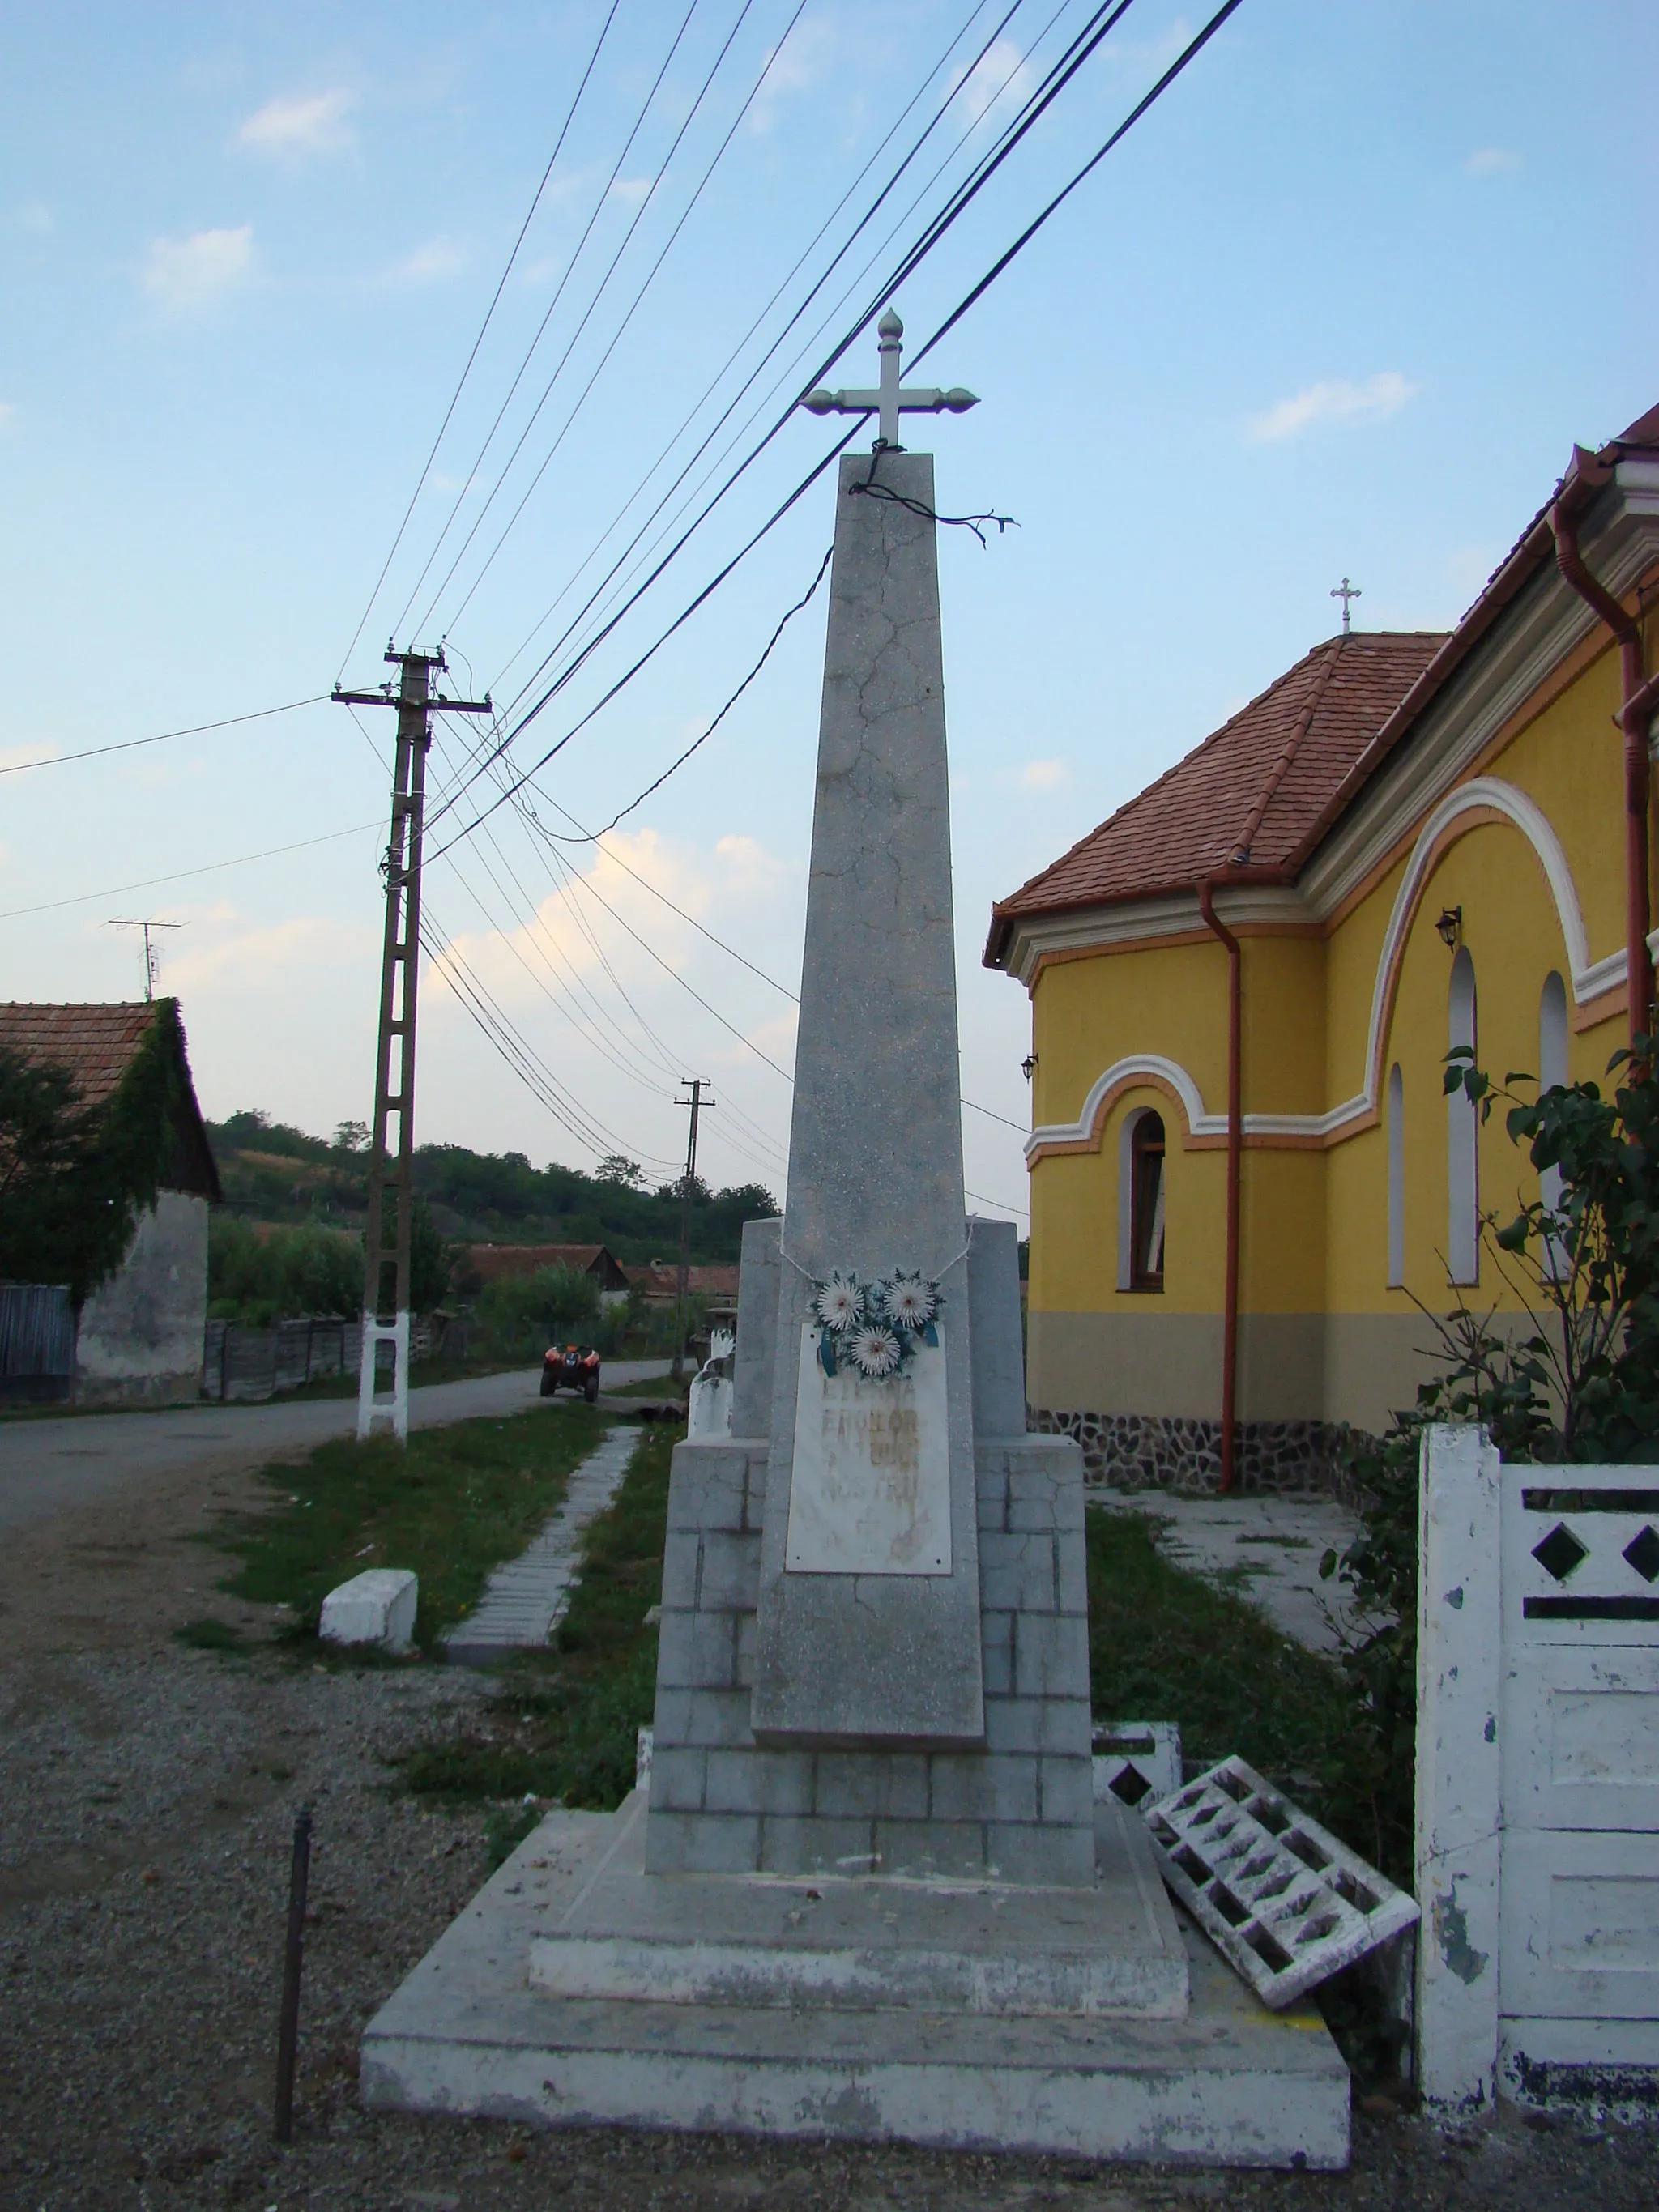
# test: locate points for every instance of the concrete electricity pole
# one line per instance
(696, 1084)
(385, 1277)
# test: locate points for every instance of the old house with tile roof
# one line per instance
(1243, 986)
(139, 1334)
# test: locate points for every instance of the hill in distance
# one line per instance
(272, 1172)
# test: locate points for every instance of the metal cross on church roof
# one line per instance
(890, 399)
(1344, 591)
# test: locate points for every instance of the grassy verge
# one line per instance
(452, 1505)
(653, 1386)
(563, 1722)
(1167, 1644)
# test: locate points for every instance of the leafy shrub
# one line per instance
(520, 1315)
(283, 1273)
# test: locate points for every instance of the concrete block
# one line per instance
(1072, 1572)
(679, 1778)
(670, 1719)
(815, 1846)
(1065, 1789)
(1060, 1858)
(716, 1719)
(778, 1782)
(1003, 1787)
(1281, 1899)
(997, 1632)
(697, 1651)
(377, 1606)
(1051, 1656)
(743, 1661)
(999, 1339)
(702, 1842)
(872, 1785)
(1017, 1574)
(758, 1322)
(707, 1484)
(730, 1576)
(991, 1484)
(1058, 1725)
(680, 1554)
(919, 1849)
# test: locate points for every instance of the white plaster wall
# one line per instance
(141, 1332)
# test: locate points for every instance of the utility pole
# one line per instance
(696, 1084)
(152, 957)
(385, 1276)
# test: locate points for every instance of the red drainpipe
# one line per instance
(1639, 700)
(1235, 1152)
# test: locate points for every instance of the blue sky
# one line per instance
(1340, 304)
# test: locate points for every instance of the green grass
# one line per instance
(654, 1386)
(1166, 1644)
(452, 1504)
(208, 1635)
(563, 1723)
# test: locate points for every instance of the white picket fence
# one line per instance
(1537, 1780)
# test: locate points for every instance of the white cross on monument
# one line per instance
(891, 399)
(1344, 591)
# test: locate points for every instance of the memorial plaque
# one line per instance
(872, 1487)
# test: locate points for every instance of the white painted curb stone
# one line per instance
(377, 1606)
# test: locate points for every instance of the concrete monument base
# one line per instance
(578, 1990)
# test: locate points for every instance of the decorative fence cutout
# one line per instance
(1278, 1895)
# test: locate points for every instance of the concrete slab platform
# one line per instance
(468, 2033)
(818, 1942)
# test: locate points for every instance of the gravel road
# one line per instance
(45, 1466)
(146, 1809)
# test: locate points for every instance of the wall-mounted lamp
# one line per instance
(1027, 1065)
(1449, 927)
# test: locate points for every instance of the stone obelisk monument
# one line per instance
(868, 1894)
(875, 1644)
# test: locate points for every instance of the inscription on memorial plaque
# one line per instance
(871, 1489)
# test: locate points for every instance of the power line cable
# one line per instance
(1105, 19)
(598, 208)
(634, 306)
(180, 875)
(454, 397)
(161, 737)
(733, 356)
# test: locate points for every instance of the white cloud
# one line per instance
(1336, 400)
(797, 66)
(1044, 775)
(8, 414)
(184, 272)
(265, 957)
(29, 755)
(630, 190)
(295, 129)
(437, 259)
(1491, 161)
(999, 80)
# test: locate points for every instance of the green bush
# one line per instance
(520, 1315)
(283, 1273)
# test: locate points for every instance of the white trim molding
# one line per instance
(1481, 794)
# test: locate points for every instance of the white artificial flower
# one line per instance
(911, 1301)
(840, 1302)
(875, 1351)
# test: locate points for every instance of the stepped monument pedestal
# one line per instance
(869, 1894)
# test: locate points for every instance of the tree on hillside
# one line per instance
(617, 1168)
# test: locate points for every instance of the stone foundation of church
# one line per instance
(1160, 1451)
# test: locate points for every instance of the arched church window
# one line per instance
(1145, 1209)
(1462, 1127)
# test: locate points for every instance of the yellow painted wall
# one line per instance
(1314, 1219)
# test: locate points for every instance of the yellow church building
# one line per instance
(1244, 984)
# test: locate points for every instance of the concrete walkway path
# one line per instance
(524, 1600)
(1267, 1549)
(47, 1467)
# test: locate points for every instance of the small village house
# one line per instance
(138, 1337)
(1250, 976)
(500, 1263)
